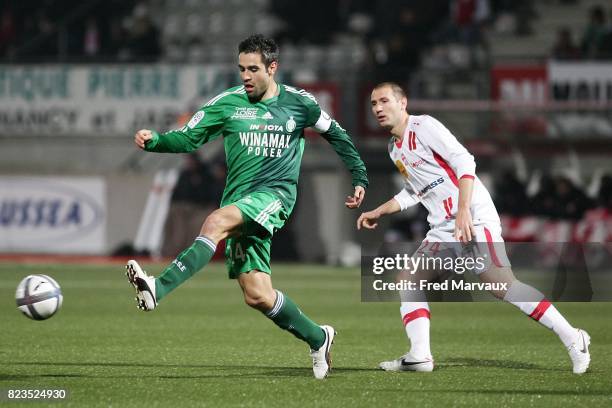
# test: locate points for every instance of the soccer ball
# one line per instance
(38, 297)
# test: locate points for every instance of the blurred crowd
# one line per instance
(395, 32)
(557, 198)
(595, 42)
(71, 30)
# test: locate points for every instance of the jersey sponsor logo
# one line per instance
(417, 163)
(270, 128)
(413, 164)
(197, 118)
(290, 125)
(267, 115)
(431, 186)
(264, 144)
(245, 113)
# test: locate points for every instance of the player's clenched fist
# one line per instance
(142, 136)
(368, 220)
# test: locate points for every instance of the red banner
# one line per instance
(519, 83)
(327, 95)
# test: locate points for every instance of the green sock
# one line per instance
(288, 316)
(186, 264)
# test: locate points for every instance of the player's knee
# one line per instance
(502, 277)
(504, 287)
(259, 301)
(259, 297)
(499, 294)
(215, 225)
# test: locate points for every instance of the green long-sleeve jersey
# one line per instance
(264, 141)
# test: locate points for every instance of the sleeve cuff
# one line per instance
(150, 144)
(467, 176)
(405, 200)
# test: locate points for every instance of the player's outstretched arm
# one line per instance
(169, 142)
(369, 219)
(204, 126)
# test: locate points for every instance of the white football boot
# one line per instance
(408, 362)
(144, 285)
(579, 352)
(321, 358)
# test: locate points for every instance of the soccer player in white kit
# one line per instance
(440, 174)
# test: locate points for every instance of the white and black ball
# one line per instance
(38, 297)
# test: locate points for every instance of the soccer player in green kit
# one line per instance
(262, 123)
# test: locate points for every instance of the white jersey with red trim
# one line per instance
(431, 160)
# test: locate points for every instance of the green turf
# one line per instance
(204, 347)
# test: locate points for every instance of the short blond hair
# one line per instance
(395, 88)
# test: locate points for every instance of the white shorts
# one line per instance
(488, 246)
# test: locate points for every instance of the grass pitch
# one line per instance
(204, 347)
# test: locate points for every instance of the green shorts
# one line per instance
(263, 215)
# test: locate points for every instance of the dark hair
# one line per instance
(266, 47)
(395, 88)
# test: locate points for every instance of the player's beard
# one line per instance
(256, 96)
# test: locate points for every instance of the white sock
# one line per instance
(532, 302)
(415, 316)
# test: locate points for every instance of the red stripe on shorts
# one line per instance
(491, 246)
(415, 314)
(540, 309)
